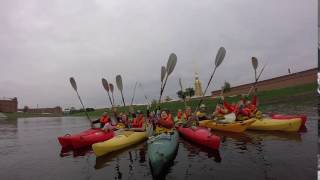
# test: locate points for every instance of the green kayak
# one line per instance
(162, 150)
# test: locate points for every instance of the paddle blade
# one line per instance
(105, 84)
(254, 63)
(163, 73)
(73, 83)
(220, 56)
(111, 87)
(171, 64)
(119, 82)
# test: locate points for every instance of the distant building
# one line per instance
(55, 110)
(9, 105)
(197, 85)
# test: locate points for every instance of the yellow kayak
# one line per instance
(237, 126)
(121, 140)
(268, 124)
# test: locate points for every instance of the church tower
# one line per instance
(197, 85)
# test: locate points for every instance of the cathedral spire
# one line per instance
(197, 83)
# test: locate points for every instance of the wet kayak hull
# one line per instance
(66, 140)
(236, 127)
(268, 124)
(162, 150)
(201, 136)
(120, 141)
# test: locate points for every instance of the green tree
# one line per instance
(181, 94)
(189, 92)
(226, 87)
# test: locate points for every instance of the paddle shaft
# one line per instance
(124, 104)
(134, 93)
(205, 91)
(85, 111)
(255, 84)
(162, 88)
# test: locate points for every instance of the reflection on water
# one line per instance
(30, 146)
(75, 152)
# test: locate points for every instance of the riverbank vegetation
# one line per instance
(291, 96)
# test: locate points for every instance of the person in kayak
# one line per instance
(220, 110)
(202, 113)
(125, 121)
(102, 120)
(179, 115)
(139, 120)
(187, 114)
(166, 120)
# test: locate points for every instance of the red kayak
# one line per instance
(201, 136)
(85, 138)
(284, 117)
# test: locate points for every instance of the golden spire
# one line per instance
(197, 83)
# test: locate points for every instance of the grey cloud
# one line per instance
(43, 43)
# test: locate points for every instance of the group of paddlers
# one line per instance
(242, 110)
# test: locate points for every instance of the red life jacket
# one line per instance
(186, 116)
(140, 122)
(179, 115)
(104, 119)
(166, 122)
(135, 122)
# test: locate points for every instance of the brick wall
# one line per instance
(294, 79)
(55, 110)
(9, 105)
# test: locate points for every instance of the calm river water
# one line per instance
(29, 150)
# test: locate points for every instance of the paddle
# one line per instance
(219, 58)
(106, 87)
(171, 64)
(74, 86)
(256, 80)
(145, 96)
(134, 93)
(184, 98)
(254, 61)
(112, 89)
(120, 87)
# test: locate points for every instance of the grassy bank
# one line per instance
(291, 96)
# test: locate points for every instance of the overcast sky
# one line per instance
(44, 42)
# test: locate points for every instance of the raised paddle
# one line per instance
(112, 89)
(144, 94)
(134, 93)
(107, 88)
(255, 84)
(171, 64)
(74, 86)
(219, 58)
(254, 61)
(184, 98)
(120, 87)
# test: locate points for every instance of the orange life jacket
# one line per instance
(104, 119)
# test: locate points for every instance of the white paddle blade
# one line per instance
(163, 72)
(105, 84)
(172, 61)
(111, 87)
(119, 82)
(254, 63)
(220, 56)
(73, 84)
